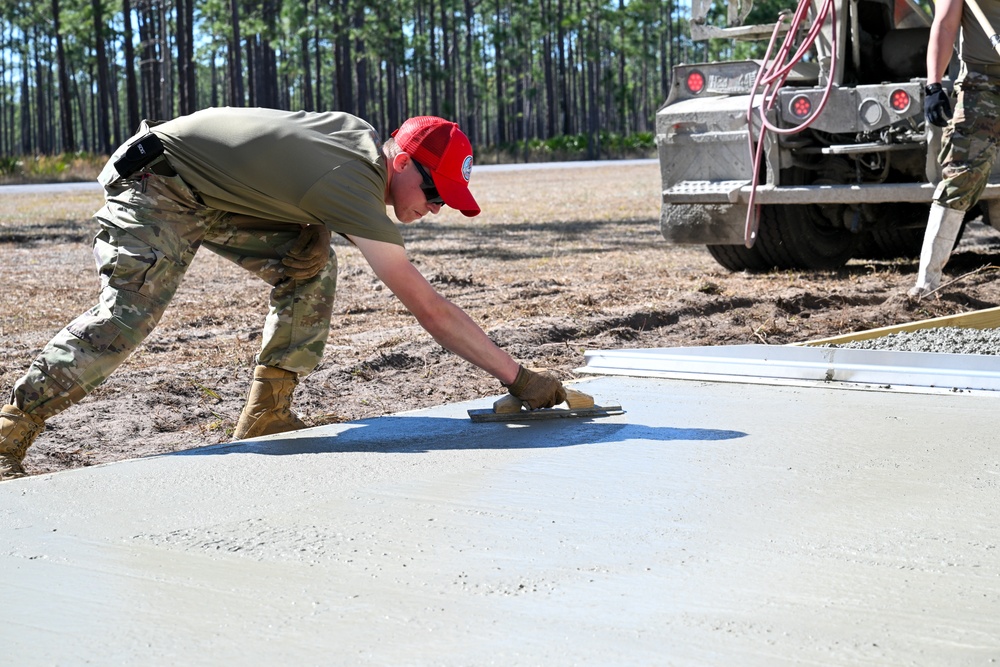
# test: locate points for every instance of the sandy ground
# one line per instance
(560, 261)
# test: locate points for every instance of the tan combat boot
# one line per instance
(268, 409)
(17, 431)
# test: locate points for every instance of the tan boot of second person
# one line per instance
(17, 431)
(269, 404)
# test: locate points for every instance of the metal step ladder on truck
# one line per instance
(814, 155)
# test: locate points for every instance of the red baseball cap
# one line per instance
(444, 150)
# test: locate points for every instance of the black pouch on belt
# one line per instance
(138, 155)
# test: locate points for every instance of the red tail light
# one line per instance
(800, 106)
(695, 81)
(899, 100)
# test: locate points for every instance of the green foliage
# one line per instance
(51, 168)
(501, 68)
(46, 166)
(571, 147)
(8, 165)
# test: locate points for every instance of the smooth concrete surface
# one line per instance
(712, 524)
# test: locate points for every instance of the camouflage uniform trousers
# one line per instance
(151, 228)
(969, 142)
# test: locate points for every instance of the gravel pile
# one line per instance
(953, 340)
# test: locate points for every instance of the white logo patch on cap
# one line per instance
(467, 168)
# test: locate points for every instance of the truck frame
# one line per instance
(847, 166)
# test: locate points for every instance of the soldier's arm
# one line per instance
(447, 323)
(944, 33)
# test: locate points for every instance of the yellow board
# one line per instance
(978, 319)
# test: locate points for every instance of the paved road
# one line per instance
(48, 187)
(581, 164)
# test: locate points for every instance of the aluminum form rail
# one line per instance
(922, 372)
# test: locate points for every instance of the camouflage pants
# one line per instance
(969, 142)
(151, 228)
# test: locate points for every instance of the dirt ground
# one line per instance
(562, 260)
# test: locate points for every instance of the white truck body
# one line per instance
(857, 182)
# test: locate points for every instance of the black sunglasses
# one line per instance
(430, 190)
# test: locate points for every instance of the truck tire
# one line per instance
(812, 241)
(898, 232)
(790, 237)
(896, 243)
(739, 258)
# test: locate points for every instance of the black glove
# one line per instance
(310, 253)
(937, 106)
(538, 390)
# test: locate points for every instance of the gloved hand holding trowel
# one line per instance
(534, 395)
(537, 390)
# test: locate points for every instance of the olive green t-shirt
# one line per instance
(975, 46)
(289, 166)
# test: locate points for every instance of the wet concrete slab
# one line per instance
(713, 523)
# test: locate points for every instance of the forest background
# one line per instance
(528, 80)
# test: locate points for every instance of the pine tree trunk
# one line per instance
(131, 90)
(103, 107)
(67, 138)
(236, 97)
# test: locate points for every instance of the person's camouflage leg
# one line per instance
(268, 408)
(17, 431)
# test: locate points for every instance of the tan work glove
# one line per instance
(309, 254)
(537, 390)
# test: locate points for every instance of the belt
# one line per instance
(992, 69)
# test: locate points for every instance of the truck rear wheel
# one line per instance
(898, 232)
(893, 244)
(739, 258)
(795, 236)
